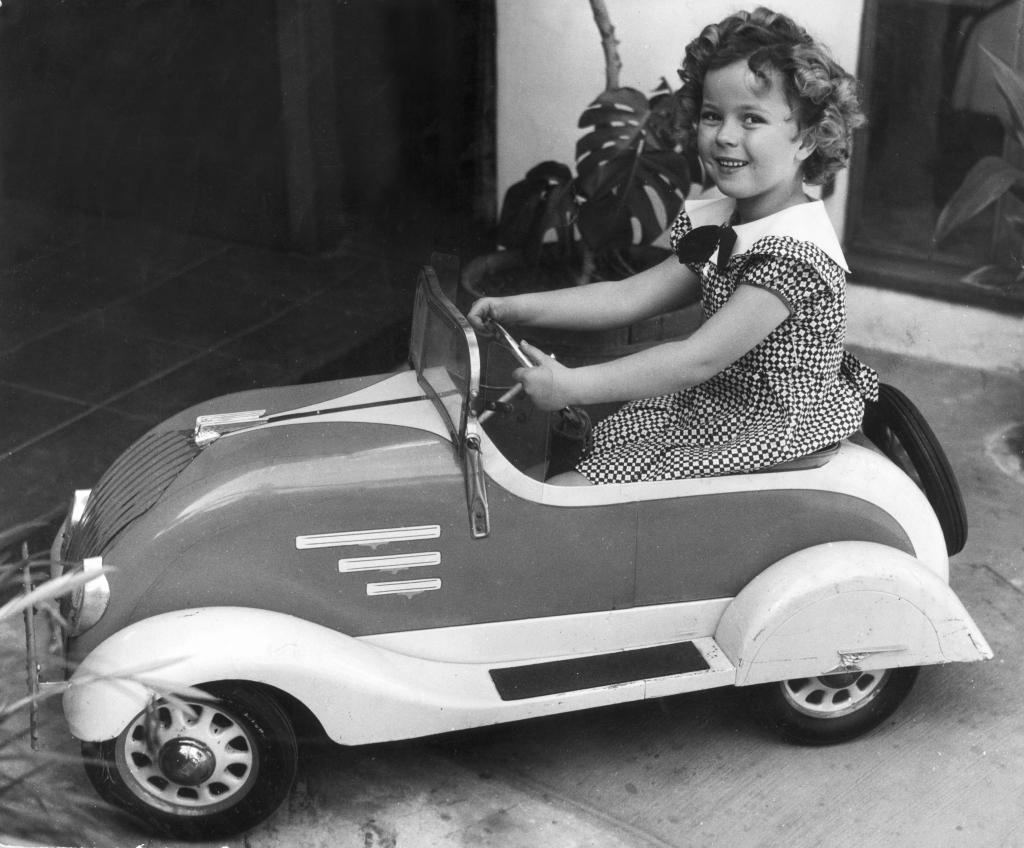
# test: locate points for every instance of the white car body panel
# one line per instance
(359, 691)
(845, 606)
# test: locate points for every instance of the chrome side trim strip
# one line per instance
(381, 536)
(403, 587)
(384, 563)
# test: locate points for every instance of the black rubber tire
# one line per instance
(792, 709)
(255, 728)
(898, 429)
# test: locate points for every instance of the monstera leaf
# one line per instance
(540, 203)
(627, 178)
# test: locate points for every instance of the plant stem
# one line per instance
(588, 263)
(610, 44)
(30, 656)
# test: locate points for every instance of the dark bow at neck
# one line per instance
(698, 245)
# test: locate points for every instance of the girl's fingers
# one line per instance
(538, 356)
(480, 313)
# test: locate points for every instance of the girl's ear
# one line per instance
(808, 144)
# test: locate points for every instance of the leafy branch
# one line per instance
(992, 177)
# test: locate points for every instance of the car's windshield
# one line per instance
(444, 352)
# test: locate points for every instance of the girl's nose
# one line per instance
(727, 134)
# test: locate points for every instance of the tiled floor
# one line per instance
(108, 327)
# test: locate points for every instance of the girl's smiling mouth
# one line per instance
(730, 164)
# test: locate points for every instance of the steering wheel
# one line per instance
(505, 337)
(575, 423)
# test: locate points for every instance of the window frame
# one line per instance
(891, 266)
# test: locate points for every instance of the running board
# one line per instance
(517, 683)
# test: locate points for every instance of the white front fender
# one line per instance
(844, 606)
(359, 692)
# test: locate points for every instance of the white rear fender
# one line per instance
(358, 691)
(845, 606)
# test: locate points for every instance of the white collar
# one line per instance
(804, 222)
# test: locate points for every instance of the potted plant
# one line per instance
(559, 228)
(991, 179)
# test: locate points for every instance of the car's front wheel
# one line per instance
(214, 769)
(831, 708)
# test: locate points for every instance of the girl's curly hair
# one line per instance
(822, 94)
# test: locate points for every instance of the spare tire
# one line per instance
(898, 429)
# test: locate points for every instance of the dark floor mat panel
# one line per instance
(532, 681)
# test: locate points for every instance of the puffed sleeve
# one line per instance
(796, 282)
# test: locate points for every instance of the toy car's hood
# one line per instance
(384, 430)
(293, 427)
(188, 525)
(354, 399)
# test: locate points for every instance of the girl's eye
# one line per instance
(751, 120)
(709, 117)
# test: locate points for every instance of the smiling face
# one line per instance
(750, 142)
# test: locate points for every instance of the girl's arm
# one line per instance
(747, 319)
(596, 306)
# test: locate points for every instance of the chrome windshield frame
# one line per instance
(451, 380)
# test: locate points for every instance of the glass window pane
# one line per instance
(443, 351)
(934, 111)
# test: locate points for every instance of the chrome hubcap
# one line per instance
(834, 695)
(188, 760)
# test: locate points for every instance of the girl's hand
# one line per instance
(487, 309)
(547, 383)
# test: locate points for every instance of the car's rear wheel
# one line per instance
(831, 708)
(214, 769)
(900, 431)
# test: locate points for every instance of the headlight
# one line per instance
(70, 523)
(89, 601)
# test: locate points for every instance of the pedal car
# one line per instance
(383, 553)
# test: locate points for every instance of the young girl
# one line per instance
(765, 378)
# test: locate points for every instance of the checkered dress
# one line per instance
(795, 392)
